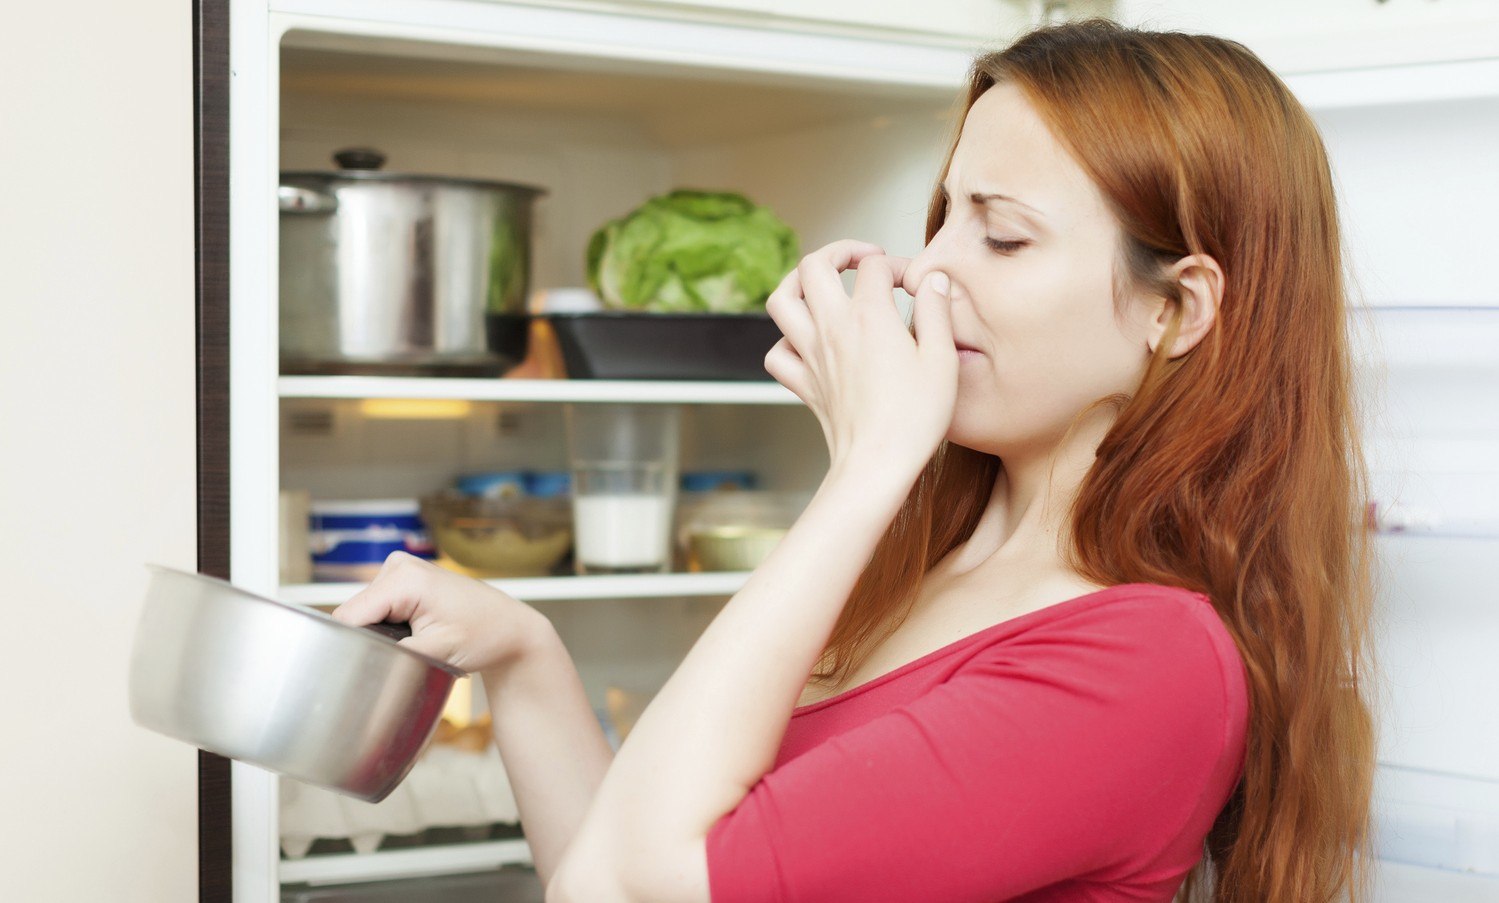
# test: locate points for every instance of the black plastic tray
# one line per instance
(628, 345)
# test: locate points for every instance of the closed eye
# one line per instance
(1005, 246)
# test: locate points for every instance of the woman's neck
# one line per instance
(1026, 523)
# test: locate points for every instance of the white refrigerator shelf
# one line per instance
(539, 589)
(538, 390)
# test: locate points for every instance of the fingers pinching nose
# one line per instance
(913, 280)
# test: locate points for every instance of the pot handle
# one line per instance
(396, 630)
(296, 199)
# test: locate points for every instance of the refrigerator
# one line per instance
(1411, 148)
(1430, 378)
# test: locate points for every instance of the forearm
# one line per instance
(554, 750)
(714, 729)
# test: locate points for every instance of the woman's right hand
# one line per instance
(462, 621)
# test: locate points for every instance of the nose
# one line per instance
(930, 259)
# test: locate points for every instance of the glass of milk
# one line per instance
(624, 464)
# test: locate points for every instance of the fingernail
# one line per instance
(940, 282)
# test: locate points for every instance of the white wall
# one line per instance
(96, 439)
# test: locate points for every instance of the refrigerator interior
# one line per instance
(834, 159)
(838, 159)
(333, 451)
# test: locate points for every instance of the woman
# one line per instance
(1080, 610)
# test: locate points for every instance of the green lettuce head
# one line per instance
(691, 251)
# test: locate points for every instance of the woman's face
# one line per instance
(1036, 305)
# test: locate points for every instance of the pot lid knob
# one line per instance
(359, 158)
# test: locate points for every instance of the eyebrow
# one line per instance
(982, 198)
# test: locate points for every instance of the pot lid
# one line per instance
(362, 164)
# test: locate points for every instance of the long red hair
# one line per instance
(1236, 469)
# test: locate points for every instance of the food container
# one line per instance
(398, 274)
(566, 300)
(500, 484)
(548, 483)
(629, 345)
(733, 530)
(350, 540)
(697, 481)
(694, 487)
(499, 536)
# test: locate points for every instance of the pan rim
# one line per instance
(313, 614)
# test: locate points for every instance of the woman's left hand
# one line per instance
(882, 395)
(462, 621)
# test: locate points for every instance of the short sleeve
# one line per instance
(1069, 752)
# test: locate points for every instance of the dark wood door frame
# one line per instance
(211, 289)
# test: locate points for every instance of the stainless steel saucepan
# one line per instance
(281, 686)
(402, 274)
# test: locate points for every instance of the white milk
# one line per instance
(622, 530)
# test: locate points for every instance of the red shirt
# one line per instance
(1079, 752)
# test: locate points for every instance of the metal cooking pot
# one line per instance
(384, 273)
(283, 687)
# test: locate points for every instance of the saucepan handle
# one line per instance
(396, 630)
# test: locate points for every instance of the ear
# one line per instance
(1199, 282)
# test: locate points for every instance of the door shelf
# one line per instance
(381, 866)
(537, 390)
(545, 589)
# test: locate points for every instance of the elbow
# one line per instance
(680, 884)
(554, 891)
(560, 889)
(592, 875)
(596, 885)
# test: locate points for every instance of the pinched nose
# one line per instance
(908, 272)
(946, 253)
(913, 276)
(918, 268)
